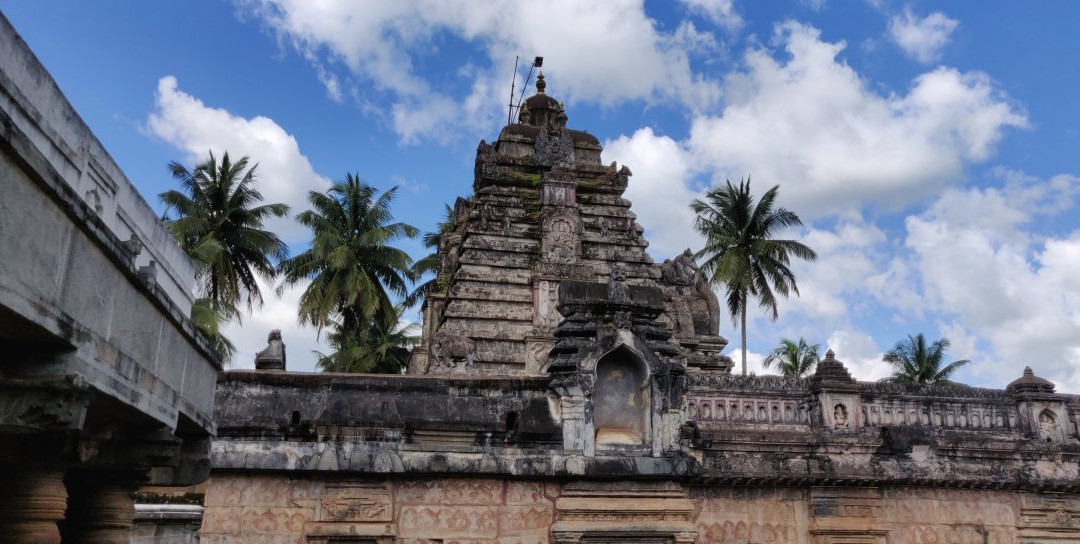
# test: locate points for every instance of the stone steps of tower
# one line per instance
(500, 351)
(611, 212)
(604, 199)
(617, 254)
(491, 329)
(502, 243)
(468, 290)
(502, 259)
(515, 311)
(516, 230)
(481, 273)
(615, 238)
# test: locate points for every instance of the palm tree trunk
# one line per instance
(743, 317)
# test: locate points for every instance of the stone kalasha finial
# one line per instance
(1030, 382)
(830, 355)
(273, 356)
(540, 83)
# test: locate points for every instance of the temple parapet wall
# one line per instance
(762, 430)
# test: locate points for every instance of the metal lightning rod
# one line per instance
(510, 111)
(537, 63)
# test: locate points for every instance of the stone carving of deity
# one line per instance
(561, 242)
(1047, 427)
(840, 417)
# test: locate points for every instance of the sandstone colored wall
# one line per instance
(282, 509)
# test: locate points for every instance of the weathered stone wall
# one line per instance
(279, 508)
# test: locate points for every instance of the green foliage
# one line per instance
(531, 179)
(793, 359)
(351, 265)
(217, 218)
(740, 252)
(218, 222)
(382, 347)
(209, 316)
(588, 184)
(914, 361)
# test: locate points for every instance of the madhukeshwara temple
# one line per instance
(567, 389)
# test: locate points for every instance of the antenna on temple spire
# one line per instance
(510, 111)
(537, 63)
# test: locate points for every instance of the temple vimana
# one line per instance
(568, 388)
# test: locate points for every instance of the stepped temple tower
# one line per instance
(547, 213)
(569, 389)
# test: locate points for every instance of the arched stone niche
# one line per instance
(621, 399)
(1048, 427)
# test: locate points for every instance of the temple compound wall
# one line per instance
(569, 389)
(105, 385)
(309, 458)
(283, 508)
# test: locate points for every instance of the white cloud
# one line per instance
(720, 12)
(284, 173)
(848, 254)
(980, 263)
(659, 189)
(602, 52)
(921, 39)
(860, 354)
(812, 124)
(249, 337)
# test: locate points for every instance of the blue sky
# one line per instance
(930, 147)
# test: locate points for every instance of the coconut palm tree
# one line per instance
(915, 361)
(219, 223)
(384, 347)
(217, 217)
(793, 359)
(351, 265)
(740, 252)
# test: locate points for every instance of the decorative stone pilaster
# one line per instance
(31, 504)
(1049, 518)
(624, 512)
(99, 513)
(846, 515)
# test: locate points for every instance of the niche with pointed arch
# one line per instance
(621, 398)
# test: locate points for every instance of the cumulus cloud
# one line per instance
(860, 354)
(627, 58)
(1018, 292)
(284, 173)
(830, 288)
(813, 124)
(921, 39)
(659, 188)
(720, 12)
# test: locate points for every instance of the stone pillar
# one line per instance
(99, 513)
(32, 502)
